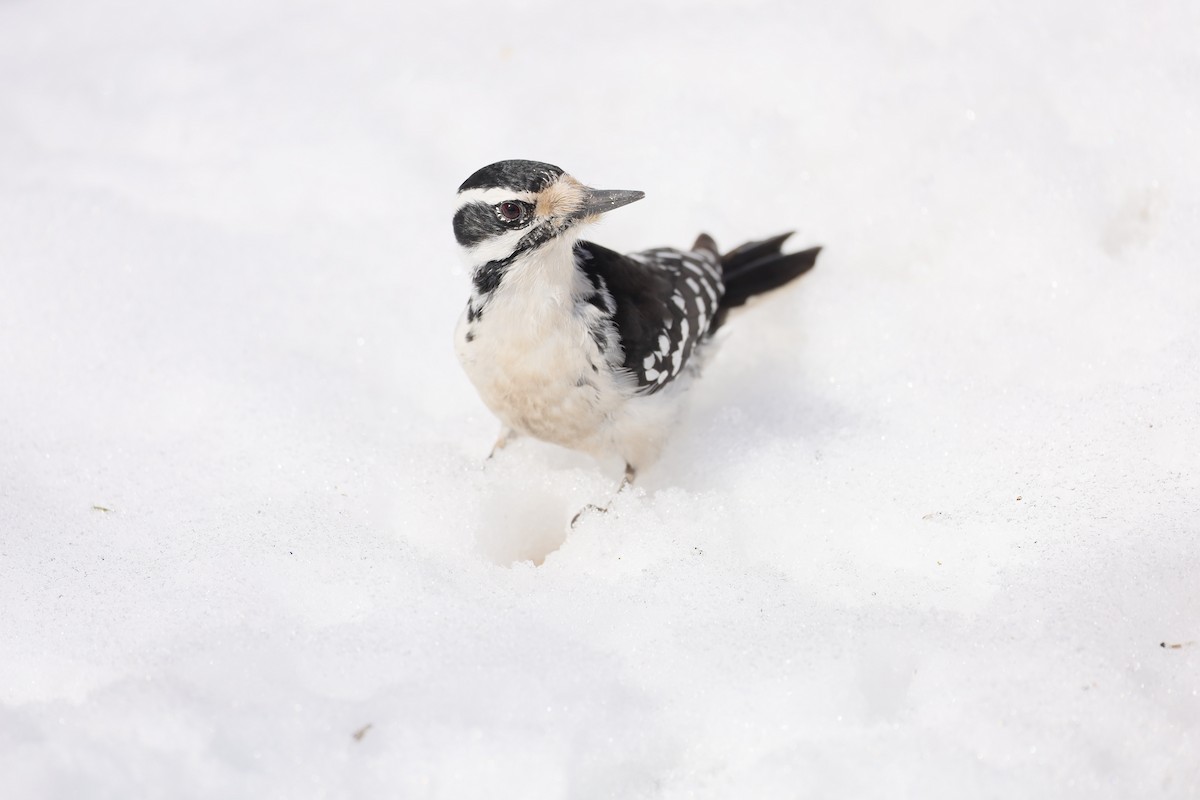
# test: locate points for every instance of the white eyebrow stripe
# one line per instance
(492, 196)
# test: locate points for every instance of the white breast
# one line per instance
(533, 359)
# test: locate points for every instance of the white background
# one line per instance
(921, 531)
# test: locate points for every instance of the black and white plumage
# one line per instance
(575, 344)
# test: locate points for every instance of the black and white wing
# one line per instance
(664, 303)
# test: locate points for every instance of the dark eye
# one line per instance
(511, 211)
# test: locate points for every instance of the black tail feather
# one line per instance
(746, 256)
(758, 267)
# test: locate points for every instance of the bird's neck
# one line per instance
(548, 270)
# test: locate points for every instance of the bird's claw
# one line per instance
(589, 507)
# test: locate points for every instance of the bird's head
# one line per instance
(514, 207)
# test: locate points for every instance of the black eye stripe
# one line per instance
(475, 222)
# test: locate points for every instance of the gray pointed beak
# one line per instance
(597, 201)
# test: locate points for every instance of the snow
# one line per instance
(922, 531)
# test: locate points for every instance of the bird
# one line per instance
(571, 343)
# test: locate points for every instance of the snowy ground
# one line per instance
(926, 522)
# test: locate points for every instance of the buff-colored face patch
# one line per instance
(561, 198)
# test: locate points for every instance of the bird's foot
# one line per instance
(589, 507)
(507, 435)
(626, 482)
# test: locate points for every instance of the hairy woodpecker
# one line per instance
(574, 344)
